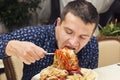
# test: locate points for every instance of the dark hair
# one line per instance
(83, 9)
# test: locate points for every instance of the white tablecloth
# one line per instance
(111, 72)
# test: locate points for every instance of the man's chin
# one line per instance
(76, 51)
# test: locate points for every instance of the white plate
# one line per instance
(37, 76)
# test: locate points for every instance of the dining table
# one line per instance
(110, 72)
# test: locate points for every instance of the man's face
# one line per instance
(73, 32)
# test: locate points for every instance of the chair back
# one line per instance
(109, 51)
(13, 68)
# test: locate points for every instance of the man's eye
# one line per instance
(69, 32)
(83, 37)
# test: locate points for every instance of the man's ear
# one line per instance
(58, 21)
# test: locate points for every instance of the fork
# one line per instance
(50, 53)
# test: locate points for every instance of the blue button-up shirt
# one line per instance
(44, 36)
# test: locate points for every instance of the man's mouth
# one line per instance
(70, 48)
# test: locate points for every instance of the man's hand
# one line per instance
(26, 51)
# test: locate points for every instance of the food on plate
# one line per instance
(65, 67)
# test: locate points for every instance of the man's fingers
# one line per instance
(33, 54)
(28, 59)
(40, 52)
(25, 61)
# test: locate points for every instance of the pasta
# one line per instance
(65, 67)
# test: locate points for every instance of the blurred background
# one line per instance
(15, 14)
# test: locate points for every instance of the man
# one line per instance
(74, 30)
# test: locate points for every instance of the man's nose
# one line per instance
(74, 42)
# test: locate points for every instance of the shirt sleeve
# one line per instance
(88, 56)
(32, 34)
